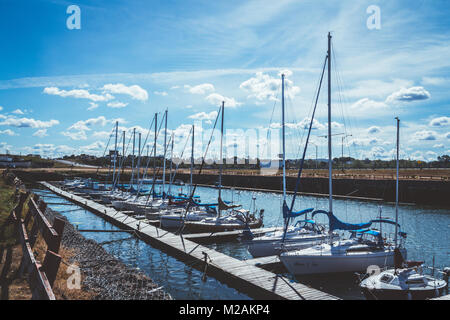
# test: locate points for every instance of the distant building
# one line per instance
(7, 161)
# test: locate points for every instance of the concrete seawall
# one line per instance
(410, 191)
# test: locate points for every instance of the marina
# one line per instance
(225, 159)
(257, 282)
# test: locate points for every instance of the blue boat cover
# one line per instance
(385, 221)
(336, 224)
(289, 214)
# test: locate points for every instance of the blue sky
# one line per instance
(61, 90)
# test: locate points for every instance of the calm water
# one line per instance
(427, 228)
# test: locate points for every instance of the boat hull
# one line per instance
(263, 248)
(392, 294)
(320, 264)
(200, 227)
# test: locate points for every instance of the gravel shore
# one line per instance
(102, 273)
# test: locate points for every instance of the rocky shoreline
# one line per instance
(104, 275)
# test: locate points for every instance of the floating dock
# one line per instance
(243, 275)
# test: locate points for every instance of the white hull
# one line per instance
(298, 263)
(270, 247)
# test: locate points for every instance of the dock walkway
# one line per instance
(245, 277)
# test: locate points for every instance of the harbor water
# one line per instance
(427, 231)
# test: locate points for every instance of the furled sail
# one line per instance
(224, 206)
(336, 224)
(291, 214)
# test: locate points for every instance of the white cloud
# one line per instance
(374, 130)
(264, 87)
(201, 88)
(161, 93)
(409, 95)
(8, 132)
(28, 123)
(116, 104)
(93, 106)
(439, 145)
(135, 91)
(41, 133)
(364, 142)
(208, 117)
(77, 131)
(366, 104)
(77, 93)
(77, 135)
(18, 111)
(216, 99)
(425, 135)
(440, 122)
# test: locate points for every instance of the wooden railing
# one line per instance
(40, 276)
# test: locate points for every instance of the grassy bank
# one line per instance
(6, 205)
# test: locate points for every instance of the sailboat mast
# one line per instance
(132, 158)
(221, 156)
(123, 153)
(165, 151)
(330, 159)
(192, 160)
(171, 163)
(139, 159)
(154, 149)
(396, 182)
(115, 155)
(283, 127)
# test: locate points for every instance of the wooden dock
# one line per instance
(245, 277)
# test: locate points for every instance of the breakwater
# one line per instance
(410, 191)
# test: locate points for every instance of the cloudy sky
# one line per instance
(61, 89)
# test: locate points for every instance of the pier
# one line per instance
(244, 275)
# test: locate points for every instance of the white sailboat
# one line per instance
(351, 255)
(233, 218)
(304, 233)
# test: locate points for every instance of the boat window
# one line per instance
(386, 278)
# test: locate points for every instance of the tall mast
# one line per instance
(132, 158)
(192, 159)
(330, 159)
(396, 182)
(123, 153)
(165, 150)
(221, 156)
(154, 150)
(139, 159)
(171, 162)
(283, 139)
(115, 155)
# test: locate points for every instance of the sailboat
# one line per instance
(235, 218)
(406, 281)
(305, 233)
(175, 217)
(364, 248)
